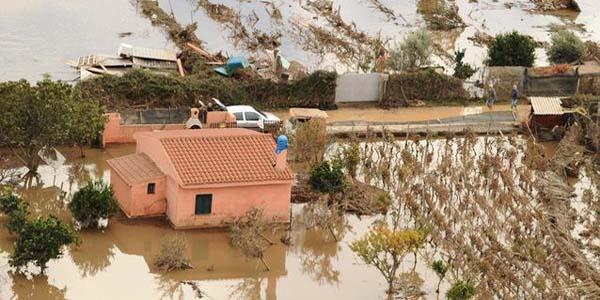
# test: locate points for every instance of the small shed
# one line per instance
(546, 113)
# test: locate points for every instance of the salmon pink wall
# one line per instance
(121, 190)
(116, 133)
(232, 202)
(144, 204)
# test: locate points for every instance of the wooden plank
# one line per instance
(200, 50)
(180, 68)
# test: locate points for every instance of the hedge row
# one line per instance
(143, 89)
(425, 85)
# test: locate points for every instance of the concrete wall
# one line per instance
(503, 79)
(354, 87)
(229, 203)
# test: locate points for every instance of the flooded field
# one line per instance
(44, 34)
(117, 263)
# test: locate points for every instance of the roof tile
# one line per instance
(234, 156)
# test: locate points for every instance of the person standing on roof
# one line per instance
(491, 97)
(514, 94)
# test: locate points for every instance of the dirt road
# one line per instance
(409, 114)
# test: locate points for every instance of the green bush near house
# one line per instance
(511, 49)
(144, 89)
(441, 88)
(327, 177)
(566, 47)
(93, 202)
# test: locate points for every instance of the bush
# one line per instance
(41, 240)
(17, 211)
(462, 70)
(172, 255)
(511, 49)
(326, 177)
(566, 47)
(409, 86)
(461, 291)
(93, 202)
(144, 88)
(413, 53)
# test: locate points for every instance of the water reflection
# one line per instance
(94, 253)
(36, 287)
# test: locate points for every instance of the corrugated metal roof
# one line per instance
(546, 105)
(153, 64)
(159, 54)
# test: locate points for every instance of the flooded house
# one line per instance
(203, 178)
(548, 116)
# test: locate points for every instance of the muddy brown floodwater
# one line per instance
(117, 263)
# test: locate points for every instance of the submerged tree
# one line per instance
(17, 211)
(247, 235)
(92, 203)
(41, 116)
(385, 249)
(327, 177)
(171, 255)
(440, 268)
(41, 240)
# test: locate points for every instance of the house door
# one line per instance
(203, 204)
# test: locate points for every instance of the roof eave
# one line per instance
(236, 184)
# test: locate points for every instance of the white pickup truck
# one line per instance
(247, 116)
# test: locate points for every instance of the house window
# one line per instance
(151, 188)
(203, 204)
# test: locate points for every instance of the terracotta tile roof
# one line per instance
(216, 156)
(135, 168)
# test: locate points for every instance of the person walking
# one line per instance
(514, 94)
(491, 96)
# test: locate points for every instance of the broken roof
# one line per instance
(158, 54)
(546, 105)
(221, 156)
(135, 168)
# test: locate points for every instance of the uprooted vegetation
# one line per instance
(500, 212)
(440, 14)
(403, 88)
(172, 255)
(252, 39)
(143, 89)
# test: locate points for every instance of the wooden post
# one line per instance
(180, 68)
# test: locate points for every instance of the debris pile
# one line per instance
(157, 60)
(440, 15)
(556, 4)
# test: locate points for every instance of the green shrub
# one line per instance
(412, 53)
(511, 49)
(461, 291)
(17, 211)
(93, 202)
(566, 47)
(462, 70)
(327, 177)
(41, 240)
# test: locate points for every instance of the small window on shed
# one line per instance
(151, 188)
